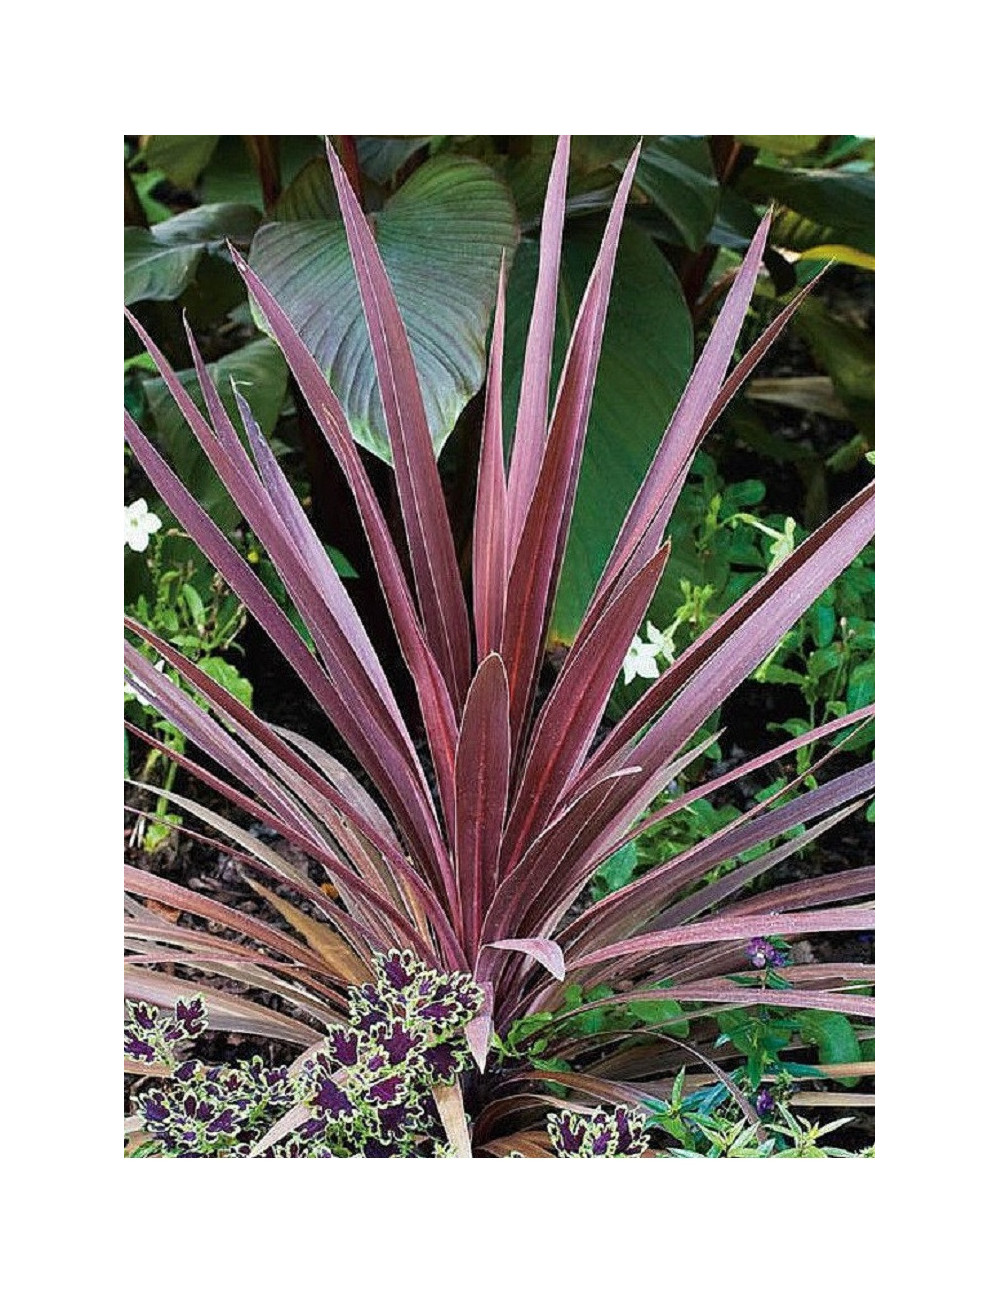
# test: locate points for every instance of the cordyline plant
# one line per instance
(480, 862)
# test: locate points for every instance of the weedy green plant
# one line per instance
(194, 612)
(475, 862)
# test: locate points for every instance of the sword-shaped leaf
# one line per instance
(482, 767)
(539, 552)
(432, 550)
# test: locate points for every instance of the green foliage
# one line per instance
(731, 1138)
(760, 1034)
(161, 262)
(535, 1037)
(187, 604)
(708, 1124)
(830, 656)
(720, 549)
(441, 236)
(678, 174)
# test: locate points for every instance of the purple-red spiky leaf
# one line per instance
(533, 407)
(768, 610)
(636, 904)
(479, 1031)
(482, 765)
(538, 557)
(572, 713)
(436, 704)
(739, 927)
(489, 529)
(545, 951)
(432, 550)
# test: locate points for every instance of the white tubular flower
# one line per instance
(140, 523)
(661, 643)
(783, 544)
(640, 661)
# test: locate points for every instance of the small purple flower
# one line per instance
(763, 1103)
(759, 953)
(762, 954)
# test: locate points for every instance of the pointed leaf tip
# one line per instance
(545, 951)
(479, 1032)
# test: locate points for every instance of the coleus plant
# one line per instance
(477, 860)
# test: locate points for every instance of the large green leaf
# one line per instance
(440, 236)
(161, 262)
(840, 203)
(181, 157)
(847, 354)
(677, 174)
(231, 176)
(834, 1036)
(787, 146)
(645, 361)
(381, 156)
(259, 370)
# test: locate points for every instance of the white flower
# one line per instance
(640, 661)
(662, 642)
(133, 692)
(139, 524)
(783, 544)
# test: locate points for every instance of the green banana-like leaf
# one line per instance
(381, 156)
(839, 204)
(181, 157)
(161, 262)
(786, 146)
(847, 354)
(676, 172)
(440, 236)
